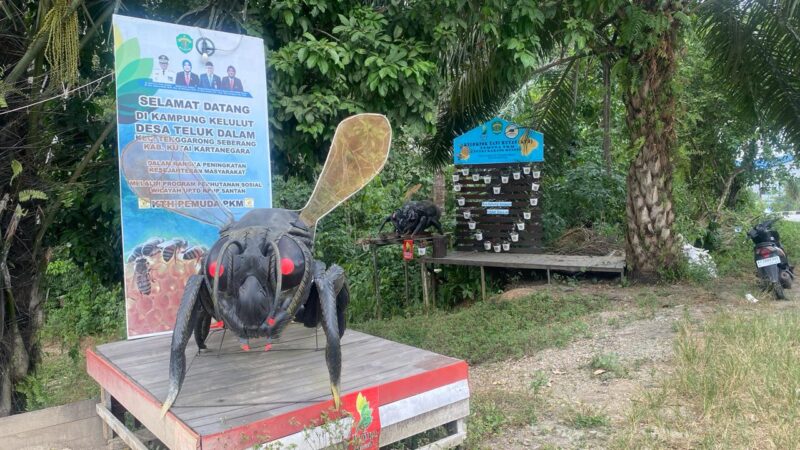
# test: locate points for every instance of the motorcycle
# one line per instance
(770, 258)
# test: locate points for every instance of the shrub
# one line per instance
(78, 304)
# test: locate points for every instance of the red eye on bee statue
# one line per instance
(260, 274)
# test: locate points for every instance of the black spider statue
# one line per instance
(414, 217)
(260, 275)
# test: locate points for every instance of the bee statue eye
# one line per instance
(218, 264)
(292, 264)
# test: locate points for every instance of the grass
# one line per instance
(587, 418)
(490, 331)
(736, 385)
(58, 379)
(610, 364)
(539, 382)
(497, 410)
(60, 376)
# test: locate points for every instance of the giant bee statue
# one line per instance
(260, 274)
(414, 217)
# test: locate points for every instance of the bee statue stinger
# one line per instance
(260, 274)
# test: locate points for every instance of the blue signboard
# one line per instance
(498, 141)
(192, 132)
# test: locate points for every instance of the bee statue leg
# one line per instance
(333, 298)
(203, 324)
(189, 314)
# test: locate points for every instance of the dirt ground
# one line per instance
(639, 331)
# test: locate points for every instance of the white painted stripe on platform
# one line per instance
(421, 403)
(323, 436)
(407, 408)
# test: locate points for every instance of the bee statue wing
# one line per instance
(163, 177)
(358, 152)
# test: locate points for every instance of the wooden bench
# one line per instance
(568, 263)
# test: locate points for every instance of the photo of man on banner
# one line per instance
(162, 74)
(209, 80)
(231, 83)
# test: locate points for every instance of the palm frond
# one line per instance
(755, 47)
(479, 78)
(553, 112)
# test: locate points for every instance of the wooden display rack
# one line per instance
(236, 400)
(514, 199)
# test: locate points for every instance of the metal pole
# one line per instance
(376, 281)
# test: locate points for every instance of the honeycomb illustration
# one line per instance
(155, 312)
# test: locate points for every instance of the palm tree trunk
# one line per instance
(650, 106)
(439, 189)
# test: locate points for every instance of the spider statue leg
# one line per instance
(436, 224)
(333, 298)
(385, 221)
(423, 223)
(190, 317)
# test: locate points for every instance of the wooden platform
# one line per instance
(234, 400)
(548, 262)
(574, 263)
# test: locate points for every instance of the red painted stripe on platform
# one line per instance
(277, 427)
(423, 382)
(143, 405)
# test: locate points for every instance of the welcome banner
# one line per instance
(193, 135)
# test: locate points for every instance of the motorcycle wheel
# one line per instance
(786, 280)
(778, 290)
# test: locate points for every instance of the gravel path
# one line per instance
(640, 339)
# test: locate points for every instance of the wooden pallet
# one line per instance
(235, 400)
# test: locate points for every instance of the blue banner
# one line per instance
(498, 141)
(193, 135)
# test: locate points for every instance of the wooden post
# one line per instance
(124, 433)
(405, 270)
(483, 284)
(376, 281)
(424, 276)
(548, 276)
(433, 288)
(105, 400)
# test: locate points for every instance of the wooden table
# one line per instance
(235, 400)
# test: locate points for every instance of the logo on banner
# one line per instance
(408, 250)
(206, 46)
(185, 42)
